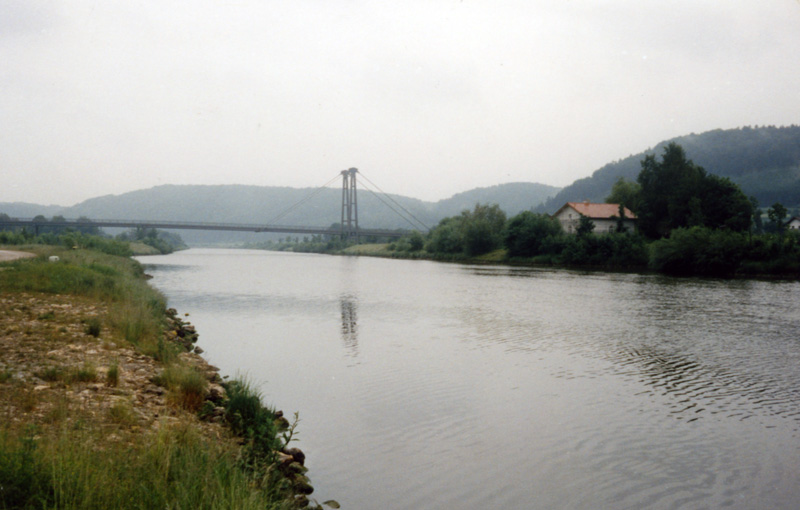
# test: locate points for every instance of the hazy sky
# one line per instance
(427, 98)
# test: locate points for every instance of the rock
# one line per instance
(297, 468)
(198, 350)
(302, 485)
(216, 393)
(284, 459)
(297, 454)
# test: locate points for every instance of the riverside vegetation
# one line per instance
(104, 405)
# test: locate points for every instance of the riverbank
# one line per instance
(105, 404)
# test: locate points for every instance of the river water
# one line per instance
(429, 385)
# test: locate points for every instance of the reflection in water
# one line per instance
(349, 306)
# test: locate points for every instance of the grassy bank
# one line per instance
(102, 406)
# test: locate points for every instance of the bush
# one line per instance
(251, 420)
(526, 233)
(699, 251)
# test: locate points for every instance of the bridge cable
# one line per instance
(395, 201)
(291, 208)
(398, 213)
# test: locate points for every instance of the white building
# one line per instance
(793, 224)
(604, 217)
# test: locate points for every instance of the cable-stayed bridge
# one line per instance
(348, 226)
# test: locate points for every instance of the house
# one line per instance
(793, 224)
(604, 217)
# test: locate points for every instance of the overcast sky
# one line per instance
(427, 98)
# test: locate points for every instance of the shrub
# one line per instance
(250, 419)
(699, 251)
(525, 234)
(187, 386)
(112, 375)
(93, 327)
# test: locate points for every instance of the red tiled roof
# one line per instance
(599, 211)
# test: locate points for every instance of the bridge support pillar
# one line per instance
(349, 205)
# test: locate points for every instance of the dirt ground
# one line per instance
(6, 255)
(53, 371)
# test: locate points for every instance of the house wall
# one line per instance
(570, 219)
(794, 224)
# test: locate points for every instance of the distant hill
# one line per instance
(764, 161)
(280, 205)
(512, 198)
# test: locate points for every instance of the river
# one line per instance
(424, 385)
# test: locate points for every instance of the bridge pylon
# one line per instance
(349, 205)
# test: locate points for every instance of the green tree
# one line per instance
(415, 241)
(472, 233)
(677, 193)
(626, 193)
(526, 233)
(777, 215)
(585, 226)
(483, 229)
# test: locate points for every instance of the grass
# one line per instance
(175, 468)
(112, 375)
(93, 327)
(187, 386)
(122, 414)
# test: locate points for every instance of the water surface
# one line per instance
(428, 385)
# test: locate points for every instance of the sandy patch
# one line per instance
(6, 255)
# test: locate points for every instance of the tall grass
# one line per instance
(187, 386)
(174, 468)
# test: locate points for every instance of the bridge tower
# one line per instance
(349, 205)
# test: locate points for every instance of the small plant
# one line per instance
(121, 413)
(5, 376)
(50, 374)
(112, 375)
(187, 386)
(93, 327)
(251, 420)
(47, 316)
(59, 412)
(289, 434)
(87, 373)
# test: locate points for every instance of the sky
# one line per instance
(426, 98)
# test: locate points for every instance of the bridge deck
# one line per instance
(178, 225)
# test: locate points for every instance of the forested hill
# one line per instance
(764, 161)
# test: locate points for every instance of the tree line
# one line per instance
(87, 236)
(690, 222)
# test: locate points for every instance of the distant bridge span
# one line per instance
(185, 225)
(348, 228)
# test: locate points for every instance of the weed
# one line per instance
(5, 376)
(112, 375)
(25, 399)
(187, 386)
(50, 315)
(59, 412)
(50, 374)
(93, 326)
(122, 414)
(250, 419)
(86, 373)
